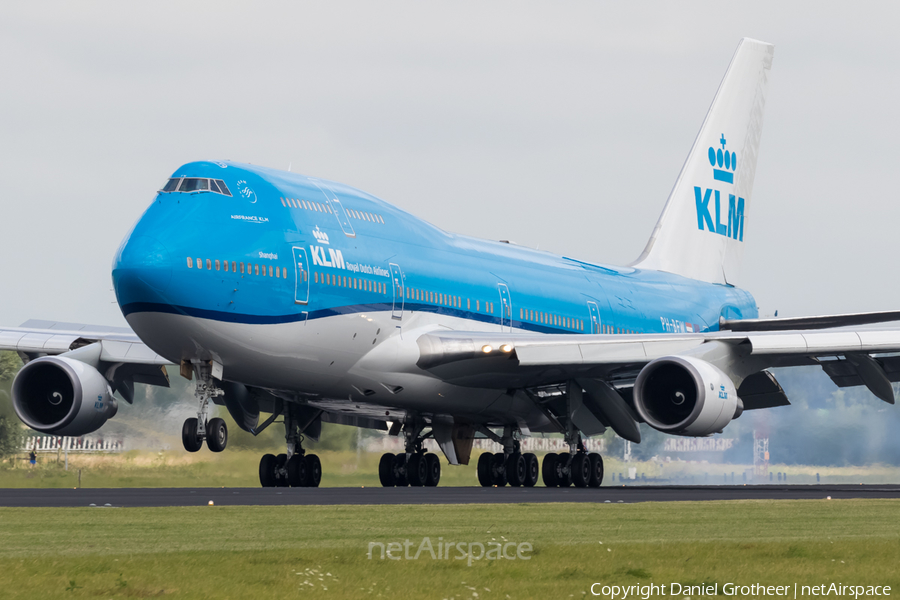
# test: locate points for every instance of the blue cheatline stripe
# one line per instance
(230, 317)
(726, 176)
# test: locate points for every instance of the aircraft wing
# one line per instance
(46, 338)
(850, 356)
(124, 359)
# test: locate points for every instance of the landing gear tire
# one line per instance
(532, 470)
(298, 471)
(192, 442)
(581, 470)
(216, 434)
(267, 470)
(433, 470)
(484, 469)
(515, 469)
(498, 469)
(596, 470)
(313, 470)
(416, 470)
(549, 470)
(281, 479)
(399, 470)
(386, 470)
(563, 477)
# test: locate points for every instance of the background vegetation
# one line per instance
(824, 427)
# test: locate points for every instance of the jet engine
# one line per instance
(683, 395)
(62, 396)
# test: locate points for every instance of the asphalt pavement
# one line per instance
(153, 497)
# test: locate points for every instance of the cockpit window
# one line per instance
(195, 184)
(223, 187)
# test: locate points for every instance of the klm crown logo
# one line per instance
(723, 162)
(320, 236)
(710, 202)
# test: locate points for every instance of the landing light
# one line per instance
(486, 349)
(506, 348)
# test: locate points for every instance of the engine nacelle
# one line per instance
(684, 395)
(62, 396)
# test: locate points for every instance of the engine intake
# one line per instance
(62, 396)
(684, 395)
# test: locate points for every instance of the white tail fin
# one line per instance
(701, 231)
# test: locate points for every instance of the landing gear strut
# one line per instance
(295, 468)
(415, 467)
(195, 430)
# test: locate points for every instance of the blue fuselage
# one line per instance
(287, 249)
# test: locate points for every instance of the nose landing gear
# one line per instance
(196, 430)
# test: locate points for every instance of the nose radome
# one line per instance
(142, 270)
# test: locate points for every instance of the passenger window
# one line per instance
(190, 263)
(208, 265)
(270, 270)
(234, 266)
(256, 269)
(468, 304)
(225, 264)
(218, 264)
(478, 305)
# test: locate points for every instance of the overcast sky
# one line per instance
(555, 125)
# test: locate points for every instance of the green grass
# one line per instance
(233, 468)
(297, 552)
(239, 468)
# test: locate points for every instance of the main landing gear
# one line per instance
(581, 469)
(196, 430)
(300, 470)
(295, 468)
(507, 467)
(415, 467)
(516, 469)
(576, 467)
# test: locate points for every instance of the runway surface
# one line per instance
(124, 497)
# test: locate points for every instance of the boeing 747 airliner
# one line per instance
(312, 301)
